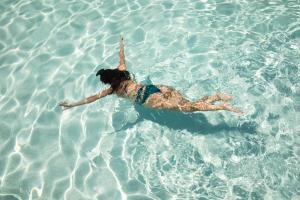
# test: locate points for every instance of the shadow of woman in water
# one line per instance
(192, 122)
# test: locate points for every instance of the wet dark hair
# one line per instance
(113, 77)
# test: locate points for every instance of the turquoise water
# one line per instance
(111, 149)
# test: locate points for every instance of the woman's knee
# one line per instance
(187, 107)
(202, 106)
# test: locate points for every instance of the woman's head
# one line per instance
(113, 76)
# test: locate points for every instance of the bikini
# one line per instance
(141, 96)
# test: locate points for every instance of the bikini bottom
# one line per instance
(144, 92)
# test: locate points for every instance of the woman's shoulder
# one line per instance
(124, 85)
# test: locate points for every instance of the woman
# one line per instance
(154, 96)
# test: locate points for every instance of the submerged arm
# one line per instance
(66, 105)
(122, 65)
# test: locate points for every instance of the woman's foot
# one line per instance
(228, 107)
(224, 97)
(217, 97)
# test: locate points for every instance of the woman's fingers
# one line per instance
(65, 105)
(65, 108)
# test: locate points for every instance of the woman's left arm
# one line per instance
(66, 105)
(122, 65)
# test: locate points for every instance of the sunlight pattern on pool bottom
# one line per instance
(112, 149)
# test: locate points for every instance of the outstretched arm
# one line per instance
(122, 65)
(66, 105)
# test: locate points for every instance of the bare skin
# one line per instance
(168, 98)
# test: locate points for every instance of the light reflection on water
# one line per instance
(113, 149)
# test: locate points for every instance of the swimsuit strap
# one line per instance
(139, 96)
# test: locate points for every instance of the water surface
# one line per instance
(111, 149)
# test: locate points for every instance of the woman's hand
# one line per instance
(65, 105)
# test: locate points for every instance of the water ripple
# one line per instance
(111, 149)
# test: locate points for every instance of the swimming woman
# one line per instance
(154, 96)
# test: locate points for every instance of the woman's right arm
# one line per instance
(66, 105)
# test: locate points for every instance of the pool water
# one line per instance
(112, 149)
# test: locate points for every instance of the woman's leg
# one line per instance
(216, 97)
(187, 106)
(203, 106)
(171, 99)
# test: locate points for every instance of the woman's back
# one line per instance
(128, 89)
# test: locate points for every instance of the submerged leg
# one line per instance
(216, 97)
(203, 106)
(173, 100)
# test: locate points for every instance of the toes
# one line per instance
(232, 109)
(224, 97)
